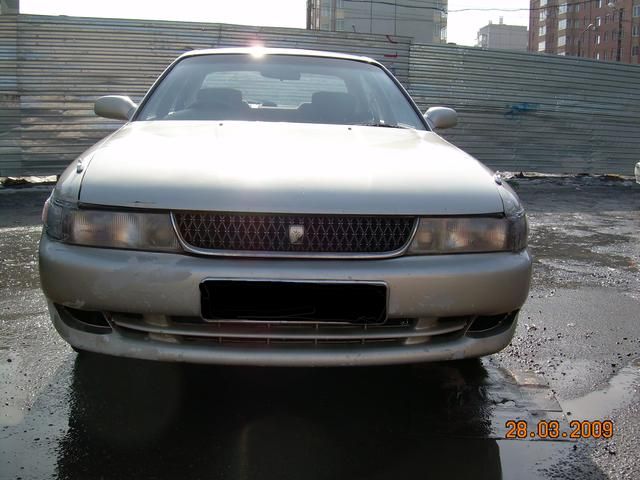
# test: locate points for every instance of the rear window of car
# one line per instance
(280, 88)
(260, 90)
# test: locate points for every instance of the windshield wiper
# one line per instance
(384, 125)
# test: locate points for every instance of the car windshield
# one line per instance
(280, 88)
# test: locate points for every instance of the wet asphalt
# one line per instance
(574, 357)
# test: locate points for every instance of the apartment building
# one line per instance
(424, 20)
(607, 30)
(503, 37)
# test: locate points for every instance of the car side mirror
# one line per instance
(115, 107)
(441, 117)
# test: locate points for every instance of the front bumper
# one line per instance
(167, 285)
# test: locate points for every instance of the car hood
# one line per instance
(286, 168)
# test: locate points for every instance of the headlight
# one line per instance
(470, 235)
(103, 228)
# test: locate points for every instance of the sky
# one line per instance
(462, 26)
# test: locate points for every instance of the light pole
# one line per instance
(620, 11)
(591, 26)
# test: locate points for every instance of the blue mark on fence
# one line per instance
(521, 108)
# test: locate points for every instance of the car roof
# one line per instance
(277, 51)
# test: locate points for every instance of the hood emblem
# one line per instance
(296, 234)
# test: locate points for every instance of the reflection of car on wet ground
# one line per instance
(282, 207)
(424, 415)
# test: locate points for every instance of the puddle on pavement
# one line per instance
(601, 404)
(30, 353)
(18, 258)
(535, 460)
(131, 419)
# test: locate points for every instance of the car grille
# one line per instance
(271, 233)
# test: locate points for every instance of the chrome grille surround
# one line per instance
(326, 236)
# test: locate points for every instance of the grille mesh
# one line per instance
(270, 233)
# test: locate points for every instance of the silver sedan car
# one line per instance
(282, 207)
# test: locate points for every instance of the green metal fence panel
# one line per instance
(534, 112)
(518, 111)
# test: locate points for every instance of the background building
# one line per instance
(598, 29)
(424, 20)
(503, 37)
(9, 7)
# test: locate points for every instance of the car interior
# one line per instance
(228, 104)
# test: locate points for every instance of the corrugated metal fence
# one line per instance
(518, 111)
(53, 69)
(544, 113)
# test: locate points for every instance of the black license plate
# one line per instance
(275, 301)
